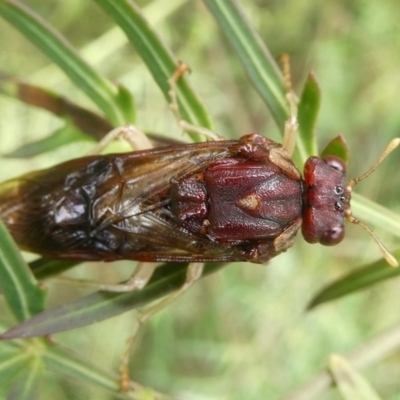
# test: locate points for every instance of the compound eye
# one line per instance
(335, 163)
(333, 236)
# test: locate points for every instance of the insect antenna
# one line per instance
(385, 252)
(390, 147)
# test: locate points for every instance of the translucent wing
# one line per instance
(111, 207)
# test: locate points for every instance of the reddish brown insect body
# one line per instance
(214, 201)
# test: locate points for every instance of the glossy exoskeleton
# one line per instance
(215, 201)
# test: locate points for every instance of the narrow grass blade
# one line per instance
(102, 305)
(157, 57)
(45, 268)
(351, 385)
(369, 353)
(60, 137)
(12, 361)
(308, 109)
(27, 385)
(260, 66)
(85, 120)
(101, 91)
(375, 215)
(68, 363)
(22, 292)
(357, 280)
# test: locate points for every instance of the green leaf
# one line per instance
(357, 280)
(308, 109)
(126, 104)
(375, 215)
(260, 66)
(337, 147)
(61, 137)
(45, 268)
(28, 382)
(68, 363)
(101, 91)
(12, 361)
(351, 384)
(21, 290)
(84, 120)
(157, 57)
(102, 305)
(369, 353)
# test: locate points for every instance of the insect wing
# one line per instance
(110, 207)
(142, 212)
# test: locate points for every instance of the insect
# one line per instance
(222, 200)
(238, 200)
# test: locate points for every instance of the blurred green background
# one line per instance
(242, 333)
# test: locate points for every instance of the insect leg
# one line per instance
(174, 106)
(193, 273)
(137, 281)
(291, 125)
(133, 135)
